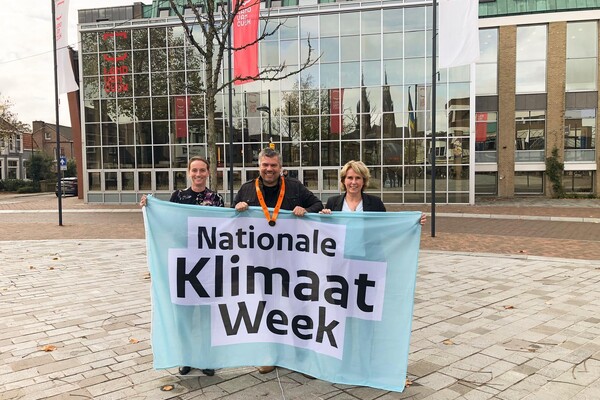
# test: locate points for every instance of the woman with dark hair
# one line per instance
(198, 173)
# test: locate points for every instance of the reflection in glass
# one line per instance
(581, 74)
(162, 180)
(331, 179)
(329, 25)
(330, 153)
(392, 45)
(529, 182)
(350, 74)
(110, 181)
(94, 182)
(127, 157)
(145, 180)
(531, 76)
(349, 24)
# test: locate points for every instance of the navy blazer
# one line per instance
(370, 203)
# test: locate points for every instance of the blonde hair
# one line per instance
(360, 168)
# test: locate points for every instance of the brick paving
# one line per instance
(494, 226)
(493, 319)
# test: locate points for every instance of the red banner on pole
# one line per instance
(245, 31)
(182, 106)
(481, 126)
(335, 104)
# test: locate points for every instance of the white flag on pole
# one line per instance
(459, 32)
(66, 78)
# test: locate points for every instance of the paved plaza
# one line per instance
(75, 319)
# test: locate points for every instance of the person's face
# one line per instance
(198, 173)
(270, 169)
(353, 181)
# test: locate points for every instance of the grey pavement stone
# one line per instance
(518, 326)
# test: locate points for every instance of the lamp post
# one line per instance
(267, 109)
(290, 122)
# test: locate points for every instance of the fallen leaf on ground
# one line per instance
(49, 347)
(50, 267)
(408, 383)
(133, 341)
(167, 388)
(448, 342)
(509, 307)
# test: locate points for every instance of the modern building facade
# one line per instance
(368, 97)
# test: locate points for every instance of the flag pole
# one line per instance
(58, 171)
(433, 112)
(230, 105)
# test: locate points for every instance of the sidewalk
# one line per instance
(499, 323)
(484, 327)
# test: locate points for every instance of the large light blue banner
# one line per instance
(326, 295)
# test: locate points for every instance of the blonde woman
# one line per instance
(354, 178)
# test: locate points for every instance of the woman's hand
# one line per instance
(423, 219)
(143, 201)
(325, 211)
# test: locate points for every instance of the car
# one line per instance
(69, 187)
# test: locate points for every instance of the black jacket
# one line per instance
(296, 194)
(370, 203)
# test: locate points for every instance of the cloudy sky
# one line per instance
(26, 61)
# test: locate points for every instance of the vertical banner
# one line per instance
(66, 78)
(423, 97)
(326, 295)
(182, 106)
(336, 97)
(481, 126)
(245, 31)
(252, 103)
(412, 119)
(459, 32)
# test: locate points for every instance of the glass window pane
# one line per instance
(289, 29)
(393, 20)
(371, 47)
(487, 78)
(309, 27)
(581, 74)
(531, 42)
(329, 25)
(289, 52)
(349, 24)
(371, 22)
(531, 77)
(330, 76)
(330, 49)
(392, 45)
(578, 39)
(414, 44)
(350, 50)
(350, 74)
(488, 45)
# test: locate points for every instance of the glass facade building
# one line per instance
(367, 96)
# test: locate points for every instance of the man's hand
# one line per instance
(241, 206)
(143, 201)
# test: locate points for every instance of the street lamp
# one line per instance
(267, 109)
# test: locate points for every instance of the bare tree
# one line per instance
(215, 24)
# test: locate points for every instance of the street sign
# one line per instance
(63, 163)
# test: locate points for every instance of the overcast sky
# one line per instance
(26, 61)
